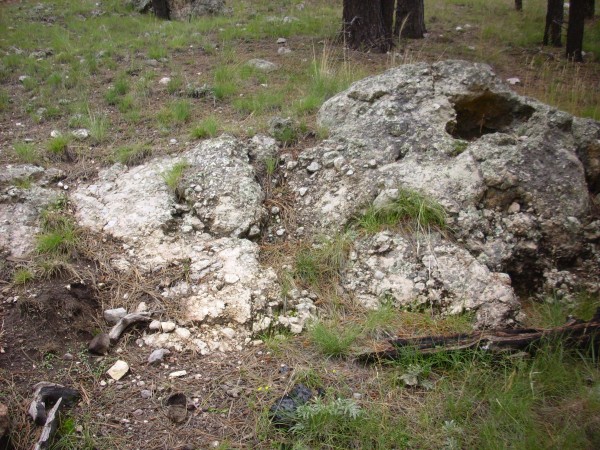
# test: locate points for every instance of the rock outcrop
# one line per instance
(184, 9)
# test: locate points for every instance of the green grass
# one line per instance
(176, 113)
(173, 176)
(27, 153)
(4, 100)
(22, 276)
(132, 155)
(98, 126)
(58, 235)
(320, 264)
(332, 339)
(23, 183)
(408, 206)
(58, 146)
(207, 128)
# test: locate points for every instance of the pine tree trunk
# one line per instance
(410, 19)
(368, 25)
(161, 9)
(575, 31)
(590, 9)
(554, 20)
(519, 5)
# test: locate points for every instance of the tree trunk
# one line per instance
(554, 20)
(590, 9)
(368, 25)
(410, 19)
(575, 31)
(519, 5)
(161, 9)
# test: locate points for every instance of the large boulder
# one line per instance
(184, 9)
(515, 175)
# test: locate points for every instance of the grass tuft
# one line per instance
(332, 339)
(174, 175)
(132, 155)
(27, 153)
(408, 205)
(208, 128)
(22, 276)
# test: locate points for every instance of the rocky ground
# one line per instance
(224, 253)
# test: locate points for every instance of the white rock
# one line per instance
(229, 333)
(81, 133)
(118, 370)
(313, 167)
(231, 278)
(262, 65)
(141, 307)
(168, 327)
(164, 80)
(55, 133)
(284, 51)
(302, 191)
(155, 325)
(183, 333)
(281, 41)
(178, 374)
(513, 81)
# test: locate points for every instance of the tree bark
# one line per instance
(554, 20)
(161, 9)
(590, 9)
(368, 25)
(410, 19)
(575, 30)
(519, 5)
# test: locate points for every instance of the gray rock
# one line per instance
(188, 9)
(158, 355)
(112, 316)
(146, 393)
(100, 344)
(262, 65)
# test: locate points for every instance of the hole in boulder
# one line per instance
(486, 113)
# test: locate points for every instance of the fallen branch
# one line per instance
(125, 322)
(575, 333)
(49, 427)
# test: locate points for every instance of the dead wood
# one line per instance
(125, 322)
(575, 333)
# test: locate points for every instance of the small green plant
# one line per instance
(27, 153)
(458, 147)
(407, 205)
(23, 183)
(98, 125)
(132, 155)
(174, 85)
(321, 263)
(208, 128)
(58, 234)
(332, 339)
(58, 145)
(182, 110)
(173, 176)
(4, 100)
(271, 164)
(22, 276)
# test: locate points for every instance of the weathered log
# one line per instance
(49, 427)
(48, 394)
(125, 322)
(575, 333)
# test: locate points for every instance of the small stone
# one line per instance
(81, 133)
(118, 370)
(164, 80)
(68, 357)
(514, 208)
(275, 210)
(55, 133)
(141, 307)
(459, 29)
(513, 81)
(280, 232)
(183, 333)
(302, 191)
(282, 41)
(158, 355)
(296, 328)
(146, 394)
(283, 51)
(228, 333)
(112, 316)
(262, 65)
(173, 141)
(100, 344)
(102, 383)
(22, 78)
(357, 395)
(178, 374)
(138, 412)
(168, 327)
(313, 167)
(231, 278)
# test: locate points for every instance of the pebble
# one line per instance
(178, 374)
(280, 232)
(164, 80)
(157, 355)
(141, 307)
(146, 393)
(275, 210)
(118, 370)
(513, 81)
(281, 41)
(168, 327)
(112, 316)
(138, 412)
(283, 51)
(81, 133)
(55, 133)
(313, 167)
(302, 191)
(173, 141)
(68, 357)
(154, 325)
(183, 333)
